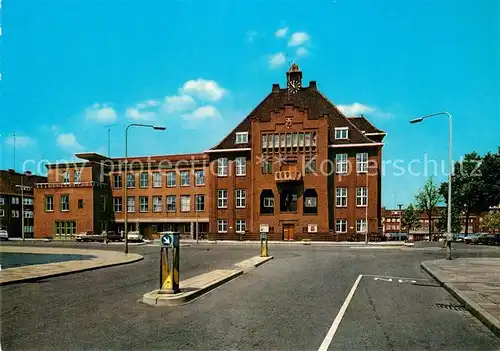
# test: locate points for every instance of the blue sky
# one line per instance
(71, 67)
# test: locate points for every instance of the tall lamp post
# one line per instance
(125, 171)
(450, 161)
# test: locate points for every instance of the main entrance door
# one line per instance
(288, 232)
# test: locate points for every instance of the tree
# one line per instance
(442, 223)
(491, 221)
(490, 175)
(410, 218)
(426, 201)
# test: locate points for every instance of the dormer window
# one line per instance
(242, 138)
(342, 133)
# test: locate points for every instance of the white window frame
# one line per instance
(2, 213)
(65, 176)
(67, 203)
(241, 166)
(77, 176)
(341, 133)
(362, 162)
(185, 206)
(118, 204)
(197, 178)
(361, 226)
(241, 226)
(264, 140)
(2, 201)
(14, 200)
(28, 214)
(173, 177)
(311, 199)
(222, 198)
(143, 180)
(185, 181)
(130, 204)
(222, 164)
(339, 223)
(361, 196)
(222, 226)
(47, 203)
(168, 200)
(341, 163)
(197, 202)
(157, 202)
(132, 178)
(269, 202)
(116, 177)
(15, 214)
(143, 207)
(341, 194)
(240, 198)
(156, 179)
(241, 138)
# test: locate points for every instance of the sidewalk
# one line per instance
(299, 242)
(475, 282)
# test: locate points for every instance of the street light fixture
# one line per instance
(450, 161)
(125, 185)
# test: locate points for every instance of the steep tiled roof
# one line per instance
(9, 180)
(364, 125)
(306, 99)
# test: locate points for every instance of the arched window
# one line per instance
(310, 201)
(288, 201)
(267, 201)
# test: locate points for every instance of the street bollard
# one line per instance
(263, 244)
(169, 263)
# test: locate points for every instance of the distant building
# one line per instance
(11, 202)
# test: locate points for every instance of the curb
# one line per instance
(152, 298)
(60, 274)
(477, 311)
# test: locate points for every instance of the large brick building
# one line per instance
(295, 167)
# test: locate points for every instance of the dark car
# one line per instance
(471, 238)
(489, 239)
(113, 236)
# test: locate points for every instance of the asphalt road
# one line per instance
(289, 303)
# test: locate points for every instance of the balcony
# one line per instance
(287, 176)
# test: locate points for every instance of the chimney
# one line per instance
(276, 88)
(312, 85)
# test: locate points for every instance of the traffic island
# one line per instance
(195, 287)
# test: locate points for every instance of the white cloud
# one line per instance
(202, 113)
(302, 51)
(178, 103)
(280, 33)
(357, 109)
(138, 115)
(101, 113)
(298, 38)
(251, 36)
(68, 141)
(149, 103)
(277, 60)
(20, 141)
(203, 89)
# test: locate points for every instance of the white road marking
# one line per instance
(390, 276)
(406, 281)
(329, 336)
(383, 279)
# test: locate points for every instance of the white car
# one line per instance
(134, 236)
(4, 235)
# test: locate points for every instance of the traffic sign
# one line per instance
(167, 240)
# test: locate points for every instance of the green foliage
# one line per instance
(410, 218)
(442, 222)
(492, 221)
(427, 199)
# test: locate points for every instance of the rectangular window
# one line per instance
(2, 201)
(156, 180)
(341, 226)
(362, 162)
(28, 201)
(222, 167)
(14, 200)
(65, 177)
(241, 137)
(65, 203)
(295, 139)
(131, 204)
(200, 203)
(241, 166)
(311, 166)
(15, 214)
(76, 176)
(240, 226)
(342, 133)
(28, 214)
(171, 179)
(222, 226)
(130, 180)
(311, 201)
(185, 203)
(28, 229)
(143, 204)
(282, 141)
(341, 197)
(313, 138)
(143, 180)
(199, 177)
(276, 141)
(267, 166)
(157, 204)
(301, 139)
(117, 181)
(49, 203)
(269, 202)
(288, 140)
(240, 198)
(171, 203)
(264, 141)
(185, 178)
(2, 213)
(103, 203)
(361, 196)
(307, 139)
(80, 204)
(117, 204)
(222, 198)
(341, 163)
(360, 225)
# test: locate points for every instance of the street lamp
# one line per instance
(125, 171)
(448, 226)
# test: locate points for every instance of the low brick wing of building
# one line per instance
(295, 167)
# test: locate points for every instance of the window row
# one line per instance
(288, 140)
(241, 226)
(156, 179)
(65, 176)
(240, 196)
(361, 197)
(157, 203)
(64, 203)
(14, 200)
(288, 201)
(15, 213)
(341, 226)
(341, 163)
(223, 164)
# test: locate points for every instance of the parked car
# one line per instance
(458, 238)
(489, 239)
(134, 236)
(90, 236)
(4, 235)
(471, 238)
(112, 235)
